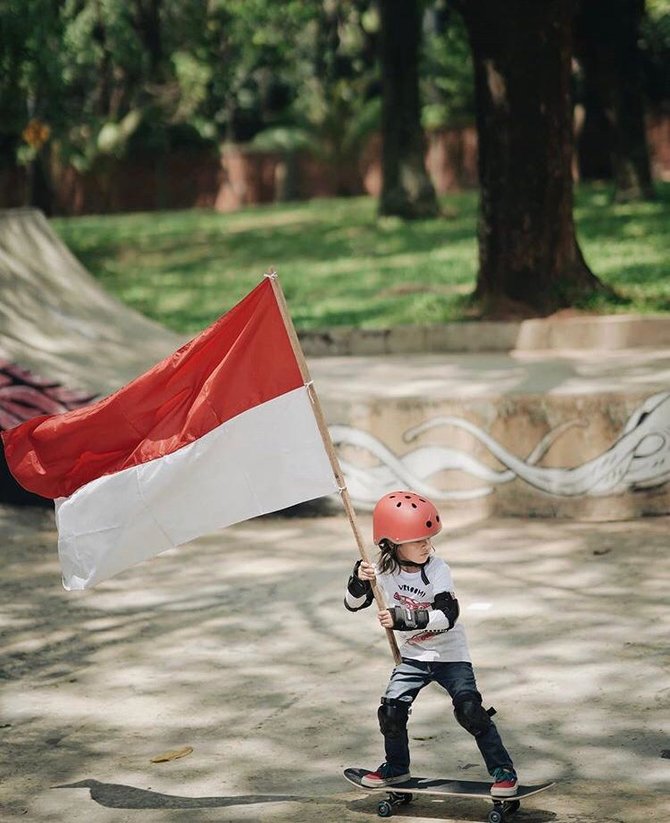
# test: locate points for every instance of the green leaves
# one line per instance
(112, 75)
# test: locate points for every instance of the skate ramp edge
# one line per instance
(57, 321)
(63, 340)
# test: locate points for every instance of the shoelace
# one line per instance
(500, 776)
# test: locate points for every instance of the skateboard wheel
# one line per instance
(495, 816)
(384, 808)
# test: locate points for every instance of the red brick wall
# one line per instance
(242, 176)
(255, 177)
(658, 138)
(177, 180)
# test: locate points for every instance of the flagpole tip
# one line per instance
(271, 273)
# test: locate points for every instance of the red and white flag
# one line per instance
(221, 431)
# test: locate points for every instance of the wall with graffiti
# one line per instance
(601, 455)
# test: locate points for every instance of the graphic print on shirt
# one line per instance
(412, 589)
(409, 602)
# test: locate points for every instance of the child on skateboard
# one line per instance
(433, 644)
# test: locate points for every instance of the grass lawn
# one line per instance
(340, 265)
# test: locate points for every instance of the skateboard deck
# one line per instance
(401, 793)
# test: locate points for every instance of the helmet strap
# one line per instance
(414, 565)
(388, 547)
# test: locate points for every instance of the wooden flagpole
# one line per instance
(328, 443)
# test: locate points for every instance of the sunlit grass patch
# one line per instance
(340, 265)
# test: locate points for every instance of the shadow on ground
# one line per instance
(118, 796)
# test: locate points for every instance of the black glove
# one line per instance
(357, 587)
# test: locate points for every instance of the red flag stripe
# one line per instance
(241, 361)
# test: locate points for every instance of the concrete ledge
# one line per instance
(595, 333)
(582, 333)
(581, 435)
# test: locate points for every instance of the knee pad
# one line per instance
(393, 715)
(471, 714)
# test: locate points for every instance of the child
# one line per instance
(433, 645)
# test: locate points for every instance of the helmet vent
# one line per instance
(398, 505)
(413, 505)
(429, 524)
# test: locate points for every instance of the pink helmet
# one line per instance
(403, 517)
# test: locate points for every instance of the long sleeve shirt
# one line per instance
(436, 643)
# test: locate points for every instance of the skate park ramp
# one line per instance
(63, 339)
(58, 322)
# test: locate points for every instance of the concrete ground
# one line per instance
(238, 645)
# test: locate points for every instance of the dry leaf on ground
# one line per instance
(172, 755)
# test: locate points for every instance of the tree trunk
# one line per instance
(147, 20)
(407, 190)
(607, 48)
(528, 252)
(594, 138)
(40, 188)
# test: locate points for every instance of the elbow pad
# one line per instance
(448, 605)
(406, 620)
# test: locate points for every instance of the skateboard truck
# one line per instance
(502, 807)
(385, 807)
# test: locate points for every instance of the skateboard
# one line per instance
(401, 794)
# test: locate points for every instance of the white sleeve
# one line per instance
(437, 620)
(443, 581)
(354, 603)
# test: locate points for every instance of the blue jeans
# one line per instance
(458, 680)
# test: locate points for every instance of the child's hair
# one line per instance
(388, 557)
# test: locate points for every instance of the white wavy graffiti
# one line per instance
(638, 459)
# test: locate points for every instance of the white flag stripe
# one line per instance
(267, 458)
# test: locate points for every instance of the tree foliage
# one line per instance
(108, 75)
(31, 67)
(446, 73)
